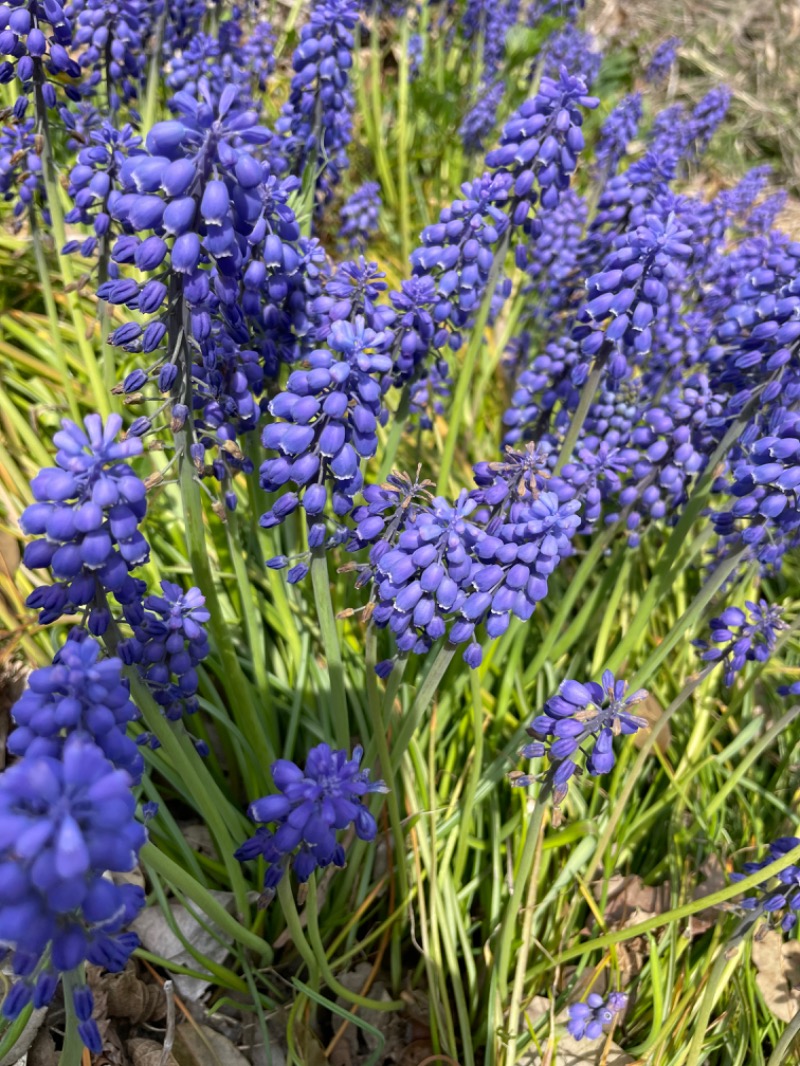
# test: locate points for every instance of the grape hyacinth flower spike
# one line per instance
(582, 720)
(80, 694)
(64, 822)
(86, 517)
(310, 807)
(740, 639)
(778, 897)
(588, 1020)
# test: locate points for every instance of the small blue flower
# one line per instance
(740, 639)
(588, 1020)
(81, 694)
(310, 807)
(777, 897)
(581, 717)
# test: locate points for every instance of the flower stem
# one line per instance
(178, 877)
(727, 959)
(53, 193)
(399, 419)
(52, 317)
(72, 1048)
(402, 142)
(384, 1005)
(588, 393)
(423, 700)
(514, 906)
(398, 849)
(467, 371)
(330, 642)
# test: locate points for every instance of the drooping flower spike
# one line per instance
(738, 637)
(588, 1020)
(578, 727)
(312, 805)
(778, 898)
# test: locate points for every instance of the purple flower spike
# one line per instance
(311, 806)
(588, 1020)
(736, 639)
(87, 515)
(582, 719)
(776, 898)
(65, 820)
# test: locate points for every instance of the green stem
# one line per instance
(72, 1048)
(399, 420)
(211, 907)
(211, 803)
(423, 700)
(254, 632)
(588, 393)
(713, 990)
(53, 194)
(781, 1053)
(383, 1005)
(467, 371)
(518, 989)
(474, 779)
(330, 642)
(398, 850)
(715, 899)
(154, 73)
(514, 905)
(381, 158)
(52, 317)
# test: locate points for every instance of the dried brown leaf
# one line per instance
(203, 1046)
(148, 1053)
(156, 935)
(127, 996)
(714, 879)
(650, 708)
(778, 976)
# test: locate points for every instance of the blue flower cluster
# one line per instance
(662, 61)
(86, 520)
(169, 641)
(764, 514)
(777, 897)
(479, 122)
(79, 695)
(316, 121)
(21, 170)
(740, 639)
(359, 216)
(580, 717)
(329, 417)
(440, 569)
(572, 50)
(111, 37)
(311, 806)
(65, 820)
(588, 1020)
(36, 38)
(615, 324)
(616, 133)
